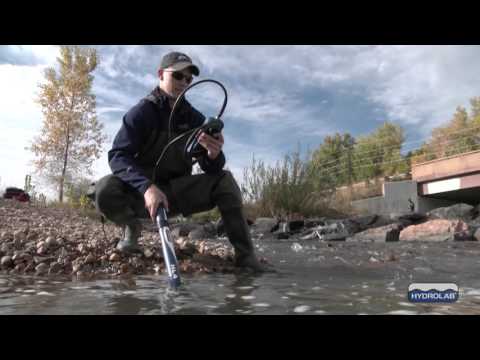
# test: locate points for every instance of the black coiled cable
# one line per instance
(191, 143)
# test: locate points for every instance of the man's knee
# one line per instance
(111, 199)
(228, 193)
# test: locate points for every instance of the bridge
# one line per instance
(433, 184)
(456, 178)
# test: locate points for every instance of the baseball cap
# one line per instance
(178, 61)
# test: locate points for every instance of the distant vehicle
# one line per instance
(17, 194)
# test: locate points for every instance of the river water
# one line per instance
(313, 278)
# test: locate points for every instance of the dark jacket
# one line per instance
(142, 137)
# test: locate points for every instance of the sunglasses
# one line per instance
(177, 75)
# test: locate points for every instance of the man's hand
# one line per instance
(212, 144)
(153, 198)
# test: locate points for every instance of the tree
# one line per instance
(71, 137)
(459, 135)
(378, 154)
(332, 163)
(475, 107)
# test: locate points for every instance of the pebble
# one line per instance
(19, 236)
(6, 261)
(245, 287)
(76, 267)
(261, 305)
(19, 267)
(124, 268)
(41, 268)
(114, 257)
(50, 242)
(42, 250)
(55, 268)
(148, 253)
(90, 259)
(301, 309)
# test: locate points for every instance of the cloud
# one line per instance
(28, 54)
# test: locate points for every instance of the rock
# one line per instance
(90, 259)
(42, 250)
(188, 248)
(51, 242)
(381, 220)
(124, 268)
(373, 260)
(197, 234)
(265, 225)
(476, 235)
(6, 262)
(55, 267)
(19, 268)
(41, 269)
(390, 257)
(184, 229)
(410, 217)
(114, 257)
(6, 236)
(364, 222)
(437, 230)
(334, 230)
(20, 256)
(148, 253)
(19, 237)
(459, 211)
(296, 247)
(310, 235)
(351, 227)
(29, 267)
(76, 267)
(296, 225)
(310, 223)
(32, 236)
(42, 259)
(385, 233)
(282, 236)
(82, 248)
(210, 229)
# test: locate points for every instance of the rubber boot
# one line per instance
(238, 233)
(129, 244)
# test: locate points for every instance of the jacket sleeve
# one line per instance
(126, 145)
(210, 166)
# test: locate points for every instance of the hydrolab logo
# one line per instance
(432, 293)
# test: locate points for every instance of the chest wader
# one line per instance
(193, 193)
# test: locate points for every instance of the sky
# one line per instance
(279, 97)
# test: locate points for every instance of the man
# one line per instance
(129, 193)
